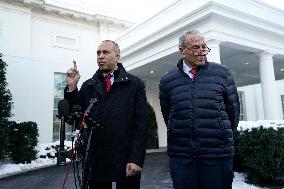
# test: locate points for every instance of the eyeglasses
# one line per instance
(197, 50)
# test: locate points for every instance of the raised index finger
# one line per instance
(74, 62)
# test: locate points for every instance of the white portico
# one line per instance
(247, 36)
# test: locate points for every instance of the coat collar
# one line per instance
(199, 70)
(180, 65)
(120, 75)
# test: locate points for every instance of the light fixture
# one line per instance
(152, 71)
(246, 63)
(282, 69)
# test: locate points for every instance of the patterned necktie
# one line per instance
(108, 82)
(193, 71)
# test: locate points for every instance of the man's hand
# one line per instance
(72, 77)
(132, 169)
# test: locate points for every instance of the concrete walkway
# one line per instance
(154, 176)
(156, 172)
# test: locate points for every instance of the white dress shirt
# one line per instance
(187, 70)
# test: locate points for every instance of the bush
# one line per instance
(67, 150)
(261, 155)
(3, 139)
(152, 141)
(22, 141)
(5, 108)
(238, 160)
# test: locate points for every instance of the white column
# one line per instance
(270, 96)
(214, 54)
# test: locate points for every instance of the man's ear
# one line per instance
(117, 56)
(181, 50)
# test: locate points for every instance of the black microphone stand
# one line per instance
(61, 159)
(80, 153)
(74, 120)
(63, 110)
(79, 145)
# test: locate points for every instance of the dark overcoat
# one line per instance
(122, 117)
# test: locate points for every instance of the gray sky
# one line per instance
(133, 10)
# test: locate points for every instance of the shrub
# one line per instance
(152, 141)
(5, 108)
(261, 153)
(3, 139)
(67, 150)
(22, 141)
(238, 160)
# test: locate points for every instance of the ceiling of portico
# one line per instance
(242, 62)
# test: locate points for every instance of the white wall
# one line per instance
(50, 56)
(15, 42)
(35, 46)
(253, 102)
(280, 88)
(253, 99)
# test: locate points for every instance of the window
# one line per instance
(66, 41)
(243, 116)
(282, 102)
(59, 85)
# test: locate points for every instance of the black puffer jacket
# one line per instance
(123, 116)
(200, 115)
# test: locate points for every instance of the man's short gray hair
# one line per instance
(182, 38)
(115, 45)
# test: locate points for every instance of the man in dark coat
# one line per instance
(119, 118)
(200, 106)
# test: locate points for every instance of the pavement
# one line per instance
(155, 175)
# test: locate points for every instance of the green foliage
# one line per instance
(3, 139)
(261, 155)
(68, 153)
(152, 141)
(238, 160)
(67, 150)
(5, 108)
(5, 95)
(22, 141)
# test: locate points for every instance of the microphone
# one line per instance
(63, 108)
(92, 102)
(63, 111)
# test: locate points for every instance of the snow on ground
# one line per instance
(45, 148)
(239, 182)
(243, 125)
(7, 169)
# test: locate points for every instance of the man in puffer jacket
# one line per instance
(200, 106)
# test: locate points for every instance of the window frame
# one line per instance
(243, 111)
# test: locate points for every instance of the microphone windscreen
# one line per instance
(63, 108)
